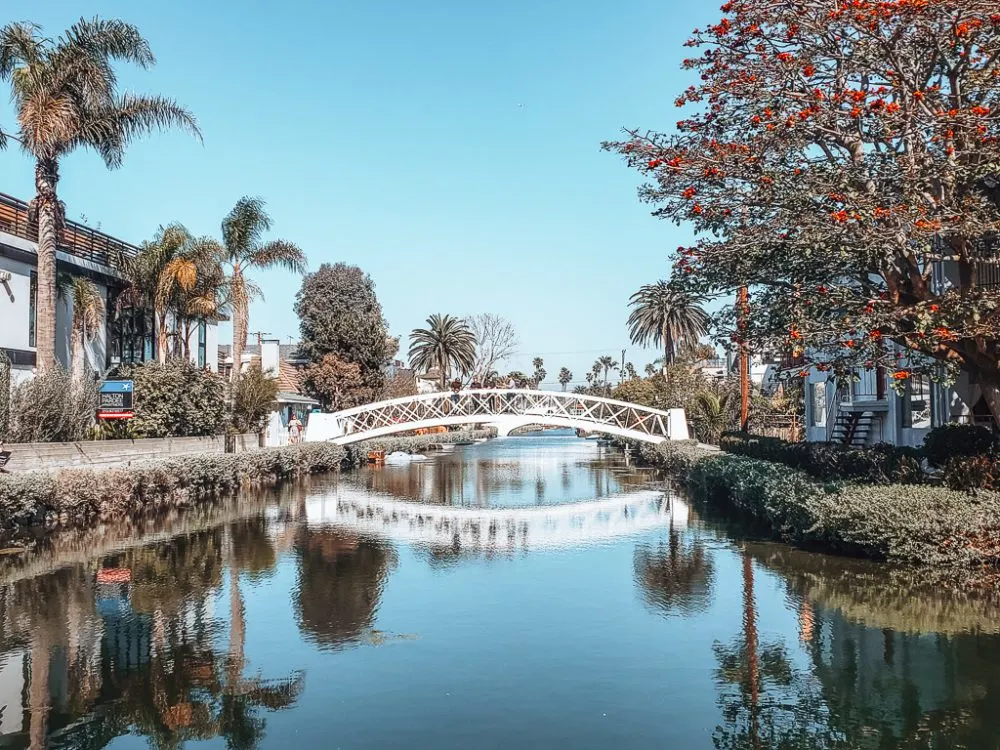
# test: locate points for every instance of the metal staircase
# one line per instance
(853, 427)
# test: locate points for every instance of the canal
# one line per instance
(533, 592)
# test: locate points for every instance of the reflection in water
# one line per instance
(675, 578)
(339, 584)
(646, 626)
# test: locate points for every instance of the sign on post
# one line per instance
(115, 399)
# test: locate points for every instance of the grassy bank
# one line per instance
(898, 523)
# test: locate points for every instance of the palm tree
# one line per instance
(66, 96)
(88, 316)
(712, 415)
(664, 316)
(243, 250)
(565, 377)
(164, 267)
(607, 364)
(445, 342)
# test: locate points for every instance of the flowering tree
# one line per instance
(842, 159)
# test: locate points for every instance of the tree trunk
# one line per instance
(239, 329)
(79, 355)
(668, 349)
(186, 346)
(237, 627)
(161, 336)
(47, 205)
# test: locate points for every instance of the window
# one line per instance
(131, 339)
(817, 398)
(32, 307)
(916, 403)
(202, 344)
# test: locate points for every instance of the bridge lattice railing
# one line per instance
(485, 404)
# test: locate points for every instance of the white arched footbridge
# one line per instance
(505, 410)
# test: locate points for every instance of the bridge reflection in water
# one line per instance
(496, 529)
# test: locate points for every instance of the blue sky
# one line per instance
(450, 149)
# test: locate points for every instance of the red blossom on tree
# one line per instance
(848, 147)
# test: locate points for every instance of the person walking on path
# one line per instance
(294, 430)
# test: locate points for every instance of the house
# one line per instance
(124, 337)
(868, 411)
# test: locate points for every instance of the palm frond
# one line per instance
(19, 43)
(111, 128)
(244, 226)
(110, 38)
(279, 253)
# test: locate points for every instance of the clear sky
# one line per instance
(449, 148)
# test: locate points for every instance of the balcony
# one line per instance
(76, 239)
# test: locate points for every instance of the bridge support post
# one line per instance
(677, 425)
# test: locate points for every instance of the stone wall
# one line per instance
(107, 453)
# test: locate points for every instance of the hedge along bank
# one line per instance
(912, 524)
(79, 496)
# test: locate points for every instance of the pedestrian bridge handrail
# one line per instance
(503, 409)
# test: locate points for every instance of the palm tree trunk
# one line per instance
(239, 326)
(668, 348)
(237, 627)
(47, 203)
(186, 346)
(79, 357)
(161, 336)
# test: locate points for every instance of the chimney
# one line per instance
(270, 357)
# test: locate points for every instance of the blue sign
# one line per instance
(115, 398)
(117, 386)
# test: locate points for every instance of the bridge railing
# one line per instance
(486, 404)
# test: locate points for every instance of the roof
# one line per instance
(289, 378)
(294, 398)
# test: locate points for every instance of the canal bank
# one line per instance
(955, 534)
(78, 497)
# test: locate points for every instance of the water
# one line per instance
(533, 592)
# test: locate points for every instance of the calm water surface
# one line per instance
(532, 592)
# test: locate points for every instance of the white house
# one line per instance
(126, 338)
(869, 411)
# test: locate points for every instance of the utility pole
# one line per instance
(743, 325)
(260, 335)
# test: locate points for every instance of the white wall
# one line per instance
(211, 345)
(15, 305)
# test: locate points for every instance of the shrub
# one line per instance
(957, 440)
(676, 457)
(972, 473)
(879, 464)
(5, 368)
(925, 525)
(51, 407)
(176, 399)
(253, 400)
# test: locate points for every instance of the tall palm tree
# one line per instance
(88, 316)
(445, 342)
(244, 250)
(565, 377)
(65, 95)
(664, 316)
(607, 363)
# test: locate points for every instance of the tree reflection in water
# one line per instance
(676, 579)
(141, 657)
(339, 584)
